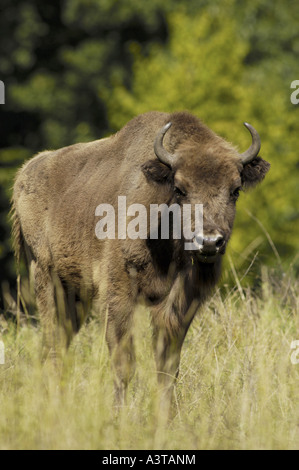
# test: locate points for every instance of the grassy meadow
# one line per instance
(237, 388)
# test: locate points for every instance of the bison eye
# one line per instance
(179, 192)
(235, 194)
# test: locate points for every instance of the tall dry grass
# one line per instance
(237, 387)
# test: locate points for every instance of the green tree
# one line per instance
(205, 69)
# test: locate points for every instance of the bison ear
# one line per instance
(156, 171)
(254, 172)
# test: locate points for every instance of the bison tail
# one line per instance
(17, 235)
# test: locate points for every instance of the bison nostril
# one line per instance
(219, 241)
(213, 243)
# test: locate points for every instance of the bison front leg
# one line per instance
(120, 343)
(167, 349)
(170, 328)
(123, 359)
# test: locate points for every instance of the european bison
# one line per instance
(156, 158)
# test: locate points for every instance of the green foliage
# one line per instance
(203, 69)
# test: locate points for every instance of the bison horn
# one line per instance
(254, 149)
(160, 151)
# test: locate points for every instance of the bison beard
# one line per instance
(156, 158)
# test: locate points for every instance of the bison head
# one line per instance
(205, 169)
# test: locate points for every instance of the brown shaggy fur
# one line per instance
(54, 201)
